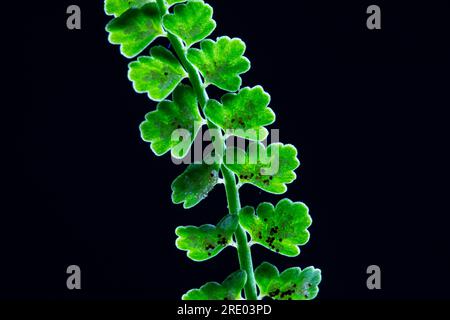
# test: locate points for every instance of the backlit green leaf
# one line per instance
(292, 284)
(203, 243)
(243, 114)
(221, 62)
(172, 2)
(281, 229)
(192, 22)
(269, 169)
(158, 74)
(194, 184)
(230, 289)
(117, 7)
(135, 29)
(181, 114)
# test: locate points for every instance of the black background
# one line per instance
(366, 109)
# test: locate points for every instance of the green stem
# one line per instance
(194, 76)
(243, 248)
(234, 205)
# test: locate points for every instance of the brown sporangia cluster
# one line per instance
(282, 294)
(273, 237)
(289, 292)
(239, 120)
(209, 247)
(259, 177)
(221, 241)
